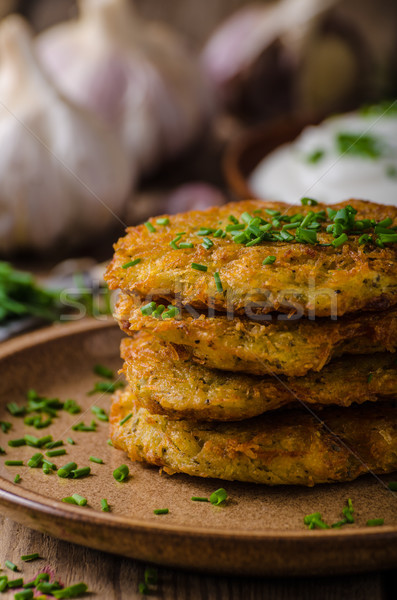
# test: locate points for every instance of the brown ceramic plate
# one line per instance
(246, 151)
(259, 531)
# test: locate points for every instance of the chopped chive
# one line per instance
(65, 471)
(103, 371)
(109, 442)
(31, 440)
(17, 478)
(49, 464)
(15, 410)
(126, 418)
(218, 282)
(82, 472)
(148, 308)
(149, 227)
(236, 227)
(207, 243)
(96, 460)
(233, 219)
(27, 557)
(241, 238)
(46, 468)
(218, 233)
(392, 485)
(14, 583)
(52, 445)
(41, 577)
(199, 499)
(100, 413)
(370, 376)
(2, 451)
(218, 496)
(43, 441)
(387, 238)
(11, 565)
(72, 407)
(104, 505)
(72, 591)
(5, 426)
(253, 242)
(69, 500)
(106, 387)
(47, 587)
(151, 576)
(375, 522)
(121, 473)
(198, 267)
(3, 583)
(314, 158)
(17, 443)
(309, 201)
(205, 231)
(70, 441)
(172, 312)
(269, 260)
(80, 500)
(290, 226)
(184, 245)
(340, 240)
(132, 263)
(143, 588)
(161, 511)
(36, 460)
(59, 452)
(13, 463)
(163, 221)
(24, 595)
(246, 217)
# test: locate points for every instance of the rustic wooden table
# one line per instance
(111, 577)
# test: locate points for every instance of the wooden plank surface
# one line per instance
(111, 577)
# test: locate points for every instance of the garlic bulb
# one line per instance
(137, 75)
(64, 177)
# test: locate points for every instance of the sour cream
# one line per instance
(347, 156)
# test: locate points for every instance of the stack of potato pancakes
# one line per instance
(261, 342)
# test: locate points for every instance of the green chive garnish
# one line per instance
(103, 371)
(36, 460)
(163, 221)
(183, 245)
(59, 452)
(198, 267)
(121, 473)
(207, 243)
(70, 441)
(5, 426)
(71, 592)
(11, 565)
(104, 505)
(100, 413)
(132, 263)
(82, 472)
(2, 451)
(66, 470)
(13, 463)
(48, 588)
(233, 219)
(14, 583)
(143, 588)
(27, 557)
(218, 233)
(126, 418)
(269, 260)
(80, 500)
(149, 227)
(218, 496)
(96, 460)
(52, 445)
(309, 201)
(340, 240)
(218, 282)
(392, 485)
(69, 500)
(17, 443)
(199, 499)
(375, 522)
(72, 407)
(148, 308)
(161, 511)
(151, 576)
(24, 595)
(17, 478)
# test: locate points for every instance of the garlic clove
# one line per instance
(138, 76)
(64, 177)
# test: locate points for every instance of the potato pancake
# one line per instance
(290, 347)
(165, 381)
(263, 256)
(287, 447)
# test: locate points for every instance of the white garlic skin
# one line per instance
(138, 76)
(64, 178)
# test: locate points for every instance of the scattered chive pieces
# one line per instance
(151, 576)
(161, 511)
(314, 157)
(143, 588)
(183, 245)
(218, 282)
(17, 478)
(309, 201)
(106, 387)
(36, 460)
(233, 219)
(121, 473)
(52, 445)
(132, 263)
(2, 451)
(10, 565)
(392, 485)
(5, 426)
(99, 413)
(69, 500)
(43, 441)
(218, 496)
(375, 522)
(70, 441)
(340, 240)
(47, 587)
(314, 521)
(109, 442)
(13, 463)
(148, 308)
(41, 577)
(3, 583)
(269, 260)
(49, 464)
(80, 500)
(14, 583)
(82, 427)
(72, 591)
(59, 452)
(103, 371)
(163, 221)
(199, 499)
(149, 227)
(66, 470)
(218, 233)
(72, 407)
(126, 418)
(198, 267)
(104, 505)
(96, 460)
(24, 595)
(27, 557)
(17, 443)
(82, 472)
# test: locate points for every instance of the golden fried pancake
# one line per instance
(285, 447)
(289, 347)
(311, 278)
(165, 381)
